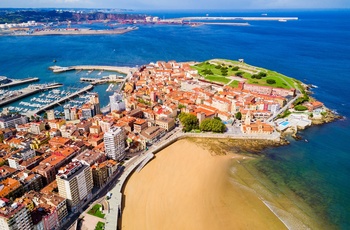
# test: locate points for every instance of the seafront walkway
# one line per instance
(124, 70)
(115, 202)
(140, 161)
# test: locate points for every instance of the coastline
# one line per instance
(73, 32)
(241, 180)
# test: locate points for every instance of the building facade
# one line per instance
(75, 184)
(114, 141)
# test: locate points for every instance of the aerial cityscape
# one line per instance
(121, 117)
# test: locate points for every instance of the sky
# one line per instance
(177, 4)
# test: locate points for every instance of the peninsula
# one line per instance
(157, 104)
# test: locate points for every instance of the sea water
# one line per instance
(314, 49)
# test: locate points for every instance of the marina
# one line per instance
(15, 95)
(60, 101)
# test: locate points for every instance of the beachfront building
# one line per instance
(255, 128)
(166, 123)
(75, 184)
(14, 216)
(114, 141)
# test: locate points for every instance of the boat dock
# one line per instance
(31, 89)
(124, 70)
(58, 102)
(109, 79)
(19, 82)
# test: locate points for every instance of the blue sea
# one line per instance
(314, 49)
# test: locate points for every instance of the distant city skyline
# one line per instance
(179, 4)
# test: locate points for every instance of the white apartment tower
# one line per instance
(114, 141)
(116, 102)
(75, 183)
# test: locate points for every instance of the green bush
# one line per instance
(235, 68)
(239, 74)
(300, 108)
(262, 74)
(270, 81)
(238, 116)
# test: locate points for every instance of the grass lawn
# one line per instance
(210, 71)
(95, 211)
(100, 226)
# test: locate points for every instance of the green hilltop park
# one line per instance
(229, 72)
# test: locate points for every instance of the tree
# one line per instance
(238, 116)
(180, 106)
(188, 121)
(235, 68)
(45, 115)
(300, 108)
(301, 100)
(262, 74)
(239, 74)
(212, 125)
(270, 81)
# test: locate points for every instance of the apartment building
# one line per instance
(114, 141)
(75, 184)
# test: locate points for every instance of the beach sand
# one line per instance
(189, 187)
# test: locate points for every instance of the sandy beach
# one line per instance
(188, 186)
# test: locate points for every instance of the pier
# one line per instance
(123, 70)
(96, 81)
(19, 82)
(32, 89)
(63, 99)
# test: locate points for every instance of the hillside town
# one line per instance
(52, 167)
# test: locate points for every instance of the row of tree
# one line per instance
(190, 122)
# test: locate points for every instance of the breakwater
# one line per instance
(19, 82)
(123, 70)
(242, 18)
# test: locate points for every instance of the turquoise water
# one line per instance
(314, 49)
